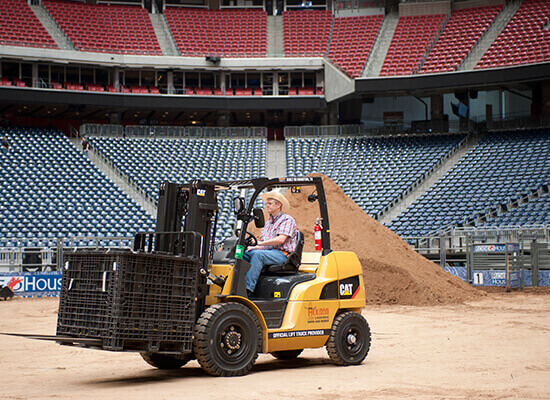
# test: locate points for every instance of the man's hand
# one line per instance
(254, 248)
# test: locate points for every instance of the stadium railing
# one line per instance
(348, 130)
(172, 131)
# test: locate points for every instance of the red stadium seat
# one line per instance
(460, 34)
(306, 33)
(353, 36)
(523, 40)
(409, 45)
(123, 29)
(20, 27)
(224, 33)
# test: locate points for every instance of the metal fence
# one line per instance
(44, 254)
(510, 249)
(172, 131)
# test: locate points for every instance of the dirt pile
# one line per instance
(392, 271)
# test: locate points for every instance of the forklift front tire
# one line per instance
(165, 361)
(228, 338)
(349, 340)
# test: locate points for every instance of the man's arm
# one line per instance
(276, 241)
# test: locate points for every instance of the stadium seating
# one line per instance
(502, 166)
(460, 34)
(536, 212)
(49, 189)
(413, 37)
(524, 40)
(306, 33)
(105, 27)
(20, 27)
(148, 162)
(224, 33)
(352, 40)
(374, 172)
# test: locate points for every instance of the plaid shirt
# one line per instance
(281, 224)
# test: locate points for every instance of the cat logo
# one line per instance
(201, 192)
(346, 289)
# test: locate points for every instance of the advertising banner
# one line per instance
(31, 284)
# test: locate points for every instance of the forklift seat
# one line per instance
(293, 260)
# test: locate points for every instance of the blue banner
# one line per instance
(496, 248)
(32, 284)
(498, 277)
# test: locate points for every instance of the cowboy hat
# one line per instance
(276, 195)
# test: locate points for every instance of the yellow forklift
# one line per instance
(177, 297)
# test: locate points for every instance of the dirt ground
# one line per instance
(494, 348)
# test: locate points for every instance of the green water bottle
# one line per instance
(239, 251)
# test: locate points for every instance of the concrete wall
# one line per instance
(359, 11)
(337, 84)
(462, 5)
(157, 62)
(424, 8)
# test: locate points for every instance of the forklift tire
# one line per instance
(228, 338)
(165, 361)
(349, 340)
(286, 354)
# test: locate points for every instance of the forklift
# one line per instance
(176, 296)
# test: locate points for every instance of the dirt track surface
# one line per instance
(494, 348)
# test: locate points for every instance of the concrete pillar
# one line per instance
(332, 113)
(170, 82)
(349, 111)
(541, 100)
(436, 107)
(222, 118)
(223, 78)
(116, 79)
(35, 81)
(275, 83)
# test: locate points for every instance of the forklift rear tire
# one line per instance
(228, 338)
(165, 361)
(349, 340)
(286, 354)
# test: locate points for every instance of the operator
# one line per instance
(277, 240)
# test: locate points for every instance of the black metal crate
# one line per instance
(129, 300)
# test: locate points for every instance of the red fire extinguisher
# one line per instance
(318, 239)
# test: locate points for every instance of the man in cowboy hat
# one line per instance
(277, 240)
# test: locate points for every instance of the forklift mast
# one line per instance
(186, 208)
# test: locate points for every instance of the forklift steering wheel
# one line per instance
(250, 239)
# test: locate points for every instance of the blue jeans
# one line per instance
(257, 260)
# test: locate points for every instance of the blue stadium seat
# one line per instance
(49, 187)
(149, 162)
(502, 166)
(374, 172)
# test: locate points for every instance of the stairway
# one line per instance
(53, 29)
(274, 38)
(164, 35)
(380, 47)
(445, 166)
(483, 44)
(276, 159)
